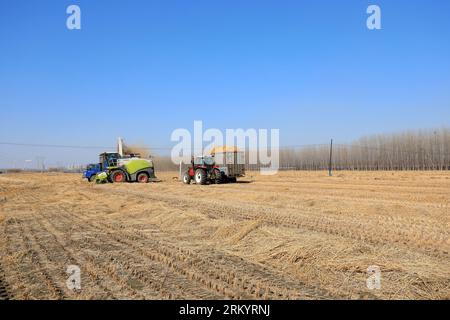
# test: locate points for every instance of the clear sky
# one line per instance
(140, 69)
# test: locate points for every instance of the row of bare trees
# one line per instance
(411, 150)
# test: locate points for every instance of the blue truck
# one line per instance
(91, 171)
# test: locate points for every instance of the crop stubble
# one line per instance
(297, 235)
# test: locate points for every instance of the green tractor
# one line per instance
(127, 168)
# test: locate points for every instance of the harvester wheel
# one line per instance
(118, 176)
(186, 178)
(200, 176)
(142, 177)
(218, 178)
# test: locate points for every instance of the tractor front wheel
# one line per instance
(187, 178)
(118, 176)
(200, 176)
(142, 177)
(92, 178)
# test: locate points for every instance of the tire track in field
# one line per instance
(50, 259)
(432, 227)
(394, 226)
(62, 256)
(28, 271)
(123, 260)
(356, 230)
(98, 277)
(218, 271)
(150, 255)
(182, 286)
(367, 193)
(14, 243)
(4, 292)
(38, 259)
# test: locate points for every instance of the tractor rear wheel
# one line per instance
(118, 176)
(218, 178)
(186, 178)
(142, 177)
(200, 176)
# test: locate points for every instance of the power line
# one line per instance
(109, 147)
(52, 145)
(73, 146)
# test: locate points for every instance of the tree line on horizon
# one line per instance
(410, 150)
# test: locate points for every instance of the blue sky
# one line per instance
(140, 69)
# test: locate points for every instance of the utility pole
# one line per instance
(40, 165)
(438, 147)
(330, 164)
(25, 164)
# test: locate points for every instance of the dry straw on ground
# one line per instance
(297, 235)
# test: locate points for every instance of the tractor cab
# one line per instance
(91, 166)
(91, 171)
(204, 161)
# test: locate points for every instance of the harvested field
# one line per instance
(297, 235)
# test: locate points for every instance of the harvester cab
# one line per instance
(108, 160)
